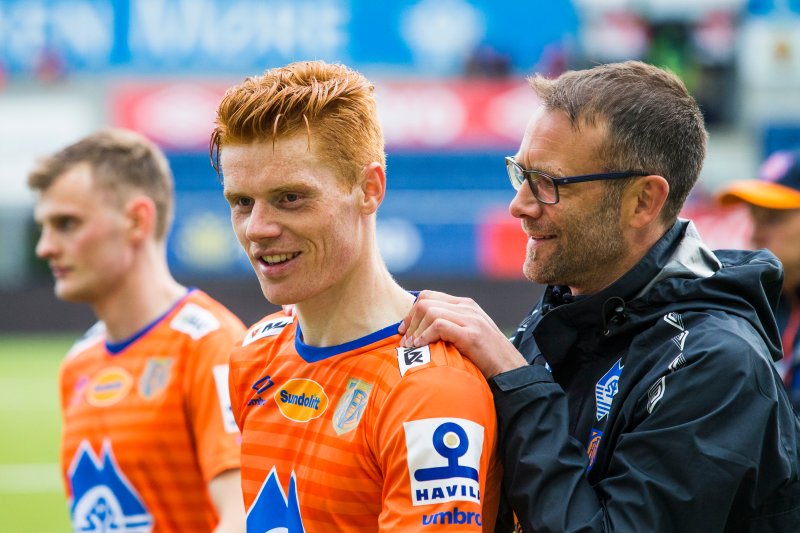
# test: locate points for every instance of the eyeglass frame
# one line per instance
(526, 174)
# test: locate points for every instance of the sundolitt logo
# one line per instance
(311, 401)
(301, 400)
(109, 386)
(456, 516)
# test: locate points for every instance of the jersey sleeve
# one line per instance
(234, 388)
(208, 403)
(436, 442)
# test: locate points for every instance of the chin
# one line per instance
(277, 296)
(66, 295)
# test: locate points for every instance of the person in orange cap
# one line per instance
(774, 203)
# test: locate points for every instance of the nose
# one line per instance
(524, 204)
(46, 246)
(262, 223)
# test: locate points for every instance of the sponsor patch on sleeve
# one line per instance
(194, 321)
(444, 457)
(269, 328)
(408, 358)
(221, 380)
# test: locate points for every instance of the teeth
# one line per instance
(280, 258)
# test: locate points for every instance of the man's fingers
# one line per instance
(439, 296)
(426, 312)
(441, 329)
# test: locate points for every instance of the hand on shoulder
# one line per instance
(462, 322)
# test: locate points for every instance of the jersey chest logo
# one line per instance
(155, 377)
(109, 386)
(273, 510)
(351, 406)
(102, 498)
(301, 399)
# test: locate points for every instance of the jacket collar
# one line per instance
(585, 320)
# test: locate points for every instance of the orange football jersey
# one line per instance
(147, 422)
(366, 436)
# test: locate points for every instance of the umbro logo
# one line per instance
(680, 339)
(410, 357)
(675, 320)
(262, 384)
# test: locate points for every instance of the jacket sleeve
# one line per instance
(543, 466)
(682, 463)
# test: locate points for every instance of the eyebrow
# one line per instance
(541, 168)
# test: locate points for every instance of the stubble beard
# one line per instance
(590, 248)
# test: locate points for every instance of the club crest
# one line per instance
(607, 388)
(155, 377)
(351, 406)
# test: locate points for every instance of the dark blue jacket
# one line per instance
(658, 408)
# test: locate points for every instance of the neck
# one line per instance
(367, 300)
(147, 292)
(639, 244)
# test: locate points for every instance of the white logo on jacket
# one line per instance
(607, 388)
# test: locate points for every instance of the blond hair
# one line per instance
(121, 161)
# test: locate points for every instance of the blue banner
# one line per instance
(235, 36)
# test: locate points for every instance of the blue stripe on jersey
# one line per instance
(114, 348)
(312, 354)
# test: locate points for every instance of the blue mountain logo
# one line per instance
(103, 500)
(273, 510)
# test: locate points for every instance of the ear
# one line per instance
(141, 213)
(373, 187)
(644, 200)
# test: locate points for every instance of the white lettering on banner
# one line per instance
(442, 32)
(82, 31)
(230, 32)
(22, 32)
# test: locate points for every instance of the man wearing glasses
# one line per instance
(639, 394)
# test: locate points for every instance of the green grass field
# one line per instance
(31, 493)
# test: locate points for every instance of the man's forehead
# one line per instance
(551, 141)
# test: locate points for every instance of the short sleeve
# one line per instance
(436, 438)
(208, 402)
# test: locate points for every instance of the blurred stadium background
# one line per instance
(453, 101)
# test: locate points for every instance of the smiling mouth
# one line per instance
(277, 259)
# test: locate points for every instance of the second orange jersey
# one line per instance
(147, 423)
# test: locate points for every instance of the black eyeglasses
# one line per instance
(545, 187)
